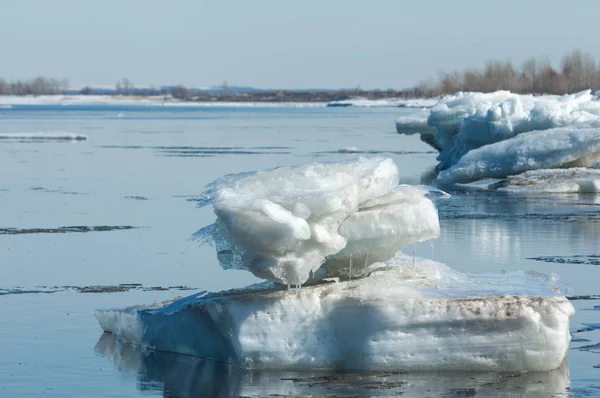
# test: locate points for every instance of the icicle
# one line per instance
(414, 254)
(350, 269)
(432, 243)
(289, 286)
(367, 260)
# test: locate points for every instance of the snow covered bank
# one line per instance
(494, 135)
(284, 224)
(386, 103)
(402, 317)
(43, 137)
(7, 101)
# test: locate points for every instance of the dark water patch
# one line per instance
(136, 197)
(593, 348)
(189, 198)
(365, 381)
(575, 339)
(461, 392)
(63, 230)
(583, 329)
(592, 259)
(577, 217)
(201, 151)
(41, 137)
(372, 152)
(121, 288)
(585, 297)
(210, 152)
(59, 190)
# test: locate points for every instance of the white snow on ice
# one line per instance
(386, 103)
(546, 149)
(283, 224)
(402, 317)
(494, 135)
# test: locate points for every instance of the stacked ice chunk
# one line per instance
(494, 135)
(343, 219)
(323, 219)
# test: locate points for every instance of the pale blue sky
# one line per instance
(282, 44)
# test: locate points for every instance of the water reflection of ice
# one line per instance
(186, 376)
(490, 233)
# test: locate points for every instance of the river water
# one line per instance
(106, 222)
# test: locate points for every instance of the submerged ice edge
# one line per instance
(189, 376)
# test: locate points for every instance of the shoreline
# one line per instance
(8, 101)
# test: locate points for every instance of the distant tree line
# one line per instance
(36, 86)
(578, 71)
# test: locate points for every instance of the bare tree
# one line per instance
(529, 72)
(180, 92)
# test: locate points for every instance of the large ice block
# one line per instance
(404, 316)
(465, 122)
(547, 149)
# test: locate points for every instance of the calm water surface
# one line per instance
(106, 223)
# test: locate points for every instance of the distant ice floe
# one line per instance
(385, 103)
(495, 135)
(337, 229)
(42, 137)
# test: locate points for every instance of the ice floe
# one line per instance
(404, 316)
(365, 305)
(545, 149)
(495, 135)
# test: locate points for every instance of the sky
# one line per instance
(280, 43)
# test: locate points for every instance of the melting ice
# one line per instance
(495, 135)
(379, 310)
(284, 224)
